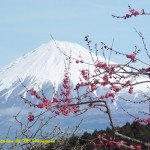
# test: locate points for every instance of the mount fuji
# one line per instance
(43, 65)
(44, 68)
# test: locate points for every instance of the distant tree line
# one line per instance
(91, 141)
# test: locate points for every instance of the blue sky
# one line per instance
(26, 24)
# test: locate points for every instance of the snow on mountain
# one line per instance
(42, 65)
(43, 68)
(45, 64)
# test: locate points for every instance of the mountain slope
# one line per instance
(43, 68)
(44, 64)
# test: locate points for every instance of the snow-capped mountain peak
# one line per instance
(45, 64)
